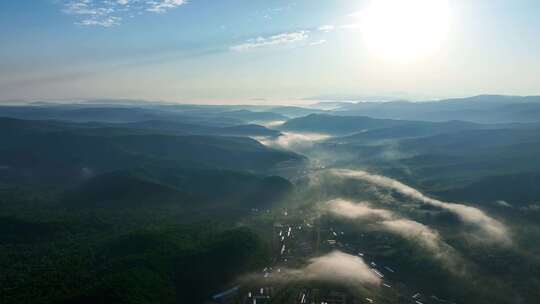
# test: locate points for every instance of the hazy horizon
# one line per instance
(301, 102)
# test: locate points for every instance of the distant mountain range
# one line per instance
(49, 151)
(482, 109)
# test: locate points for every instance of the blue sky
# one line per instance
(233, 51)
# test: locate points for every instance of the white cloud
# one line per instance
(293, 141)
(415, 231)
(274, 124)
(388, 221)
(275, 40)
(163, 5)
(105, 22)
(337, 267)
(319, 42)
(489, 228)
(87, 7)
(360, 210)
(108, 13)
(326, 28)
(503, 204)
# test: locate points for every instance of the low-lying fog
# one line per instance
(298, 142)
(335, 186)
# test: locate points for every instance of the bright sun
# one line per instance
(405, 29)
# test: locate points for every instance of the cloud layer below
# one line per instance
(338, 267)
(489, 229)
(334, 267)
(294, 141)
(386, 220)
(274, 40)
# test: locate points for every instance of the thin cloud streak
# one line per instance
(274, 40)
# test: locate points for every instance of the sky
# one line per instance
(267, 51)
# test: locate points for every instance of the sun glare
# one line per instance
(405, 30)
